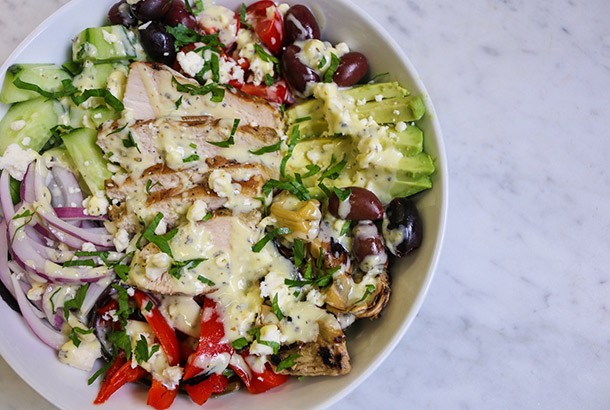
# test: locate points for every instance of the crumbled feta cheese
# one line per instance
(16, 160)
(192, 63)
(121, 240)
(379, 97)
(161, 228)
(96, 205)
(88, 247)
(401, 126)
(157, 264)
(221, 20)
(170, 376)
(197, 211)
(269, 333)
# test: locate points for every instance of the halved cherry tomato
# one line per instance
(159, 396)
(277, 93)
(212, 340)
(268, 26)
(259, 382)
(119, 374)
(164, 333)
(201, 392)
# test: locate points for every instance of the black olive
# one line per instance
(158, 43)
(403, 222)
(147, 10)
(120, 13)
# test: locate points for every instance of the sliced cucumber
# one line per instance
(46, 76)
(92, 117)
(104, 44)
(88, 157)
(93, 76)
(29, 123)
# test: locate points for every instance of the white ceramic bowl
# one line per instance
(369, 342)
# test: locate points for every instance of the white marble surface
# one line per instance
(517, 315)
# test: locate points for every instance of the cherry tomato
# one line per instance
(269, 29)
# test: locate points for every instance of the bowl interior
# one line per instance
(369, 342)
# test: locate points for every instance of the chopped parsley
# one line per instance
(267, 149)
(162, 241)
(295, 134)
(342, 194)
(217, 91)
(298, 251)
(276, 308)
(240, 343)
(191, 158)
(142, 353)
(258, 246)
(205, 280)
(178, 102)
(288, 362)
(230, 141)
(176, 269)
(78, 331)
(76, 302)
(368, 291)
(121, 341)
(129, 142)
(184, 35)
(330, 72)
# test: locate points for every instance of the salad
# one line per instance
(204, 199)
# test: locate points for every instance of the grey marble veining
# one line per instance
(517, 315)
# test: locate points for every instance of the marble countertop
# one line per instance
(517, 315)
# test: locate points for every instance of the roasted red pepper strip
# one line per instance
(164, 333)
(201, 392)
(211, 339)
(159, 396)
(119, 374)
(259, 382)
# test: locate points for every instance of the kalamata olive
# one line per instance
(360, 205)
(178, 14)
(295, 72)
(353, 68)
(158, 44)
(402, 227)
(300, 24)
(147, 10)
(367, 246)
(120, 13)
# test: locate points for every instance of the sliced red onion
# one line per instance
(85, 235)
(50, 337)
(27, 185)
(5, 276)
(8, 209)
(76, 214)
(93, 294)
(67, 183)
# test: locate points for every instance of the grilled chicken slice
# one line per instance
(188, 142)
(151, 93)
(216, 249)
(327, 356)
(225, 184)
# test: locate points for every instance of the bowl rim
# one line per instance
(440, 178)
